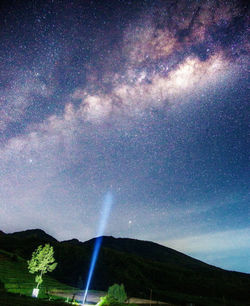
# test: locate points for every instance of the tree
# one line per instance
(42, 261)
(116, 296)
(118, 293)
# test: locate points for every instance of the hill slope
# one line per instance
(31, 234)
(149, 250)
(15, 277)
(141, 266)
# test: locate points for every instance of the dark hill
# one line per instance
(150, 250)
(141, 265)
(23, 243)
(73, 241)
(33, 233)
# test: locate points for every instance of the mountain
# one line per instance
(149, 250)
(33, 233)
(73, 241)
(142, 266)
(23, 243)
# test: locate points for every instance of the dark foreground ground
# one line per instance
(10, 299)
(93, 297)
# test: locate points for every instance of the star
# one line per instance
(145, 99)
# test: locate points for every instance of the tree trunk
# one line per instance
(38, 284)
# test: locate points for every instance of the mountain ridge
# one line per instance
(139, 265)
(107, 241)
(31, 233)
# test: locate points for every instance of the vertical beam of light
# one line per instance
(107, 203)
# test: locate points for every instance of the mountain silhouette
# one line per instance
(142, 266)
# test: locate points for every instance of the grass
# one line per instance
(10, 299)
(16, 278)
(19, 283)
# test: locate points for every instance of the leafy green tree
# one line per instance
(108, 301)
(118, 293)
(42, 261)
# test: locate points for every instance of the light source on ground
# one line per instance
(35, 292)
(107, 203)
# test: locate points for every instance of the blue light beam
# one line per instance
(107, 203)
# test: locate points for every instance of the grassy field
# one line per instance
(11, 299)
(16, 278)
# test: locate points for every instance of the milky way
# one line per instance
(146, 99)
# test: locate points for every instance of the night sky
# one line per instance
(145, 99)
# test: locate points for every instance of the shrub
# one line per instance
(117, 292)
(109, 301)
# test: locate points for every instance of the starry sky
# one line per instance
(145, 99)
